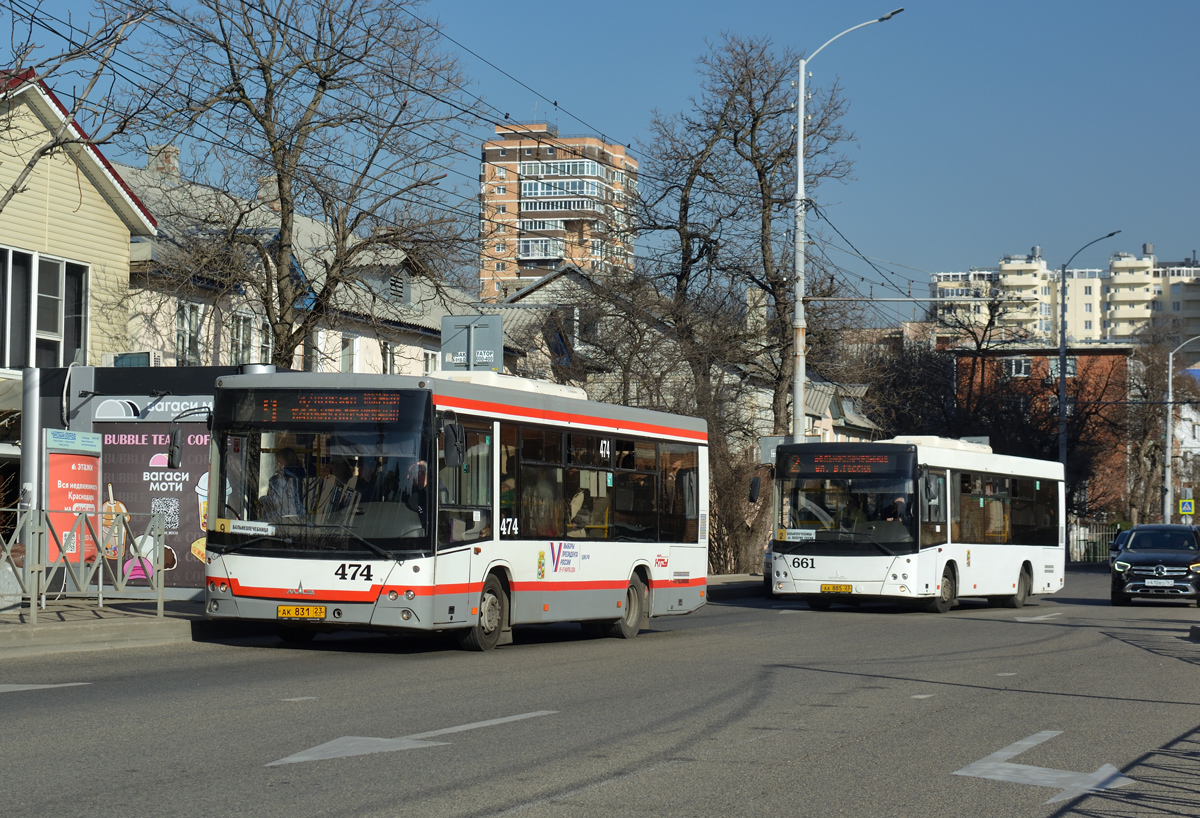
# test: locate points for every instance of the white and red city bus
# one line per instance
(466, 502)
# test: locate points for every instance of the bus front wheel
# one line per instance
(944, 600)
(635, 615)
(493, 616)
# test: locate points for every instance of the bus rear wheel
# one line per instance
(635, 616)
(1019, 599)
(493, 616)
(944, 600)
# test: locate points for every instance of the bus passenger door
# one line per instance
(464, 525)
(934, 528)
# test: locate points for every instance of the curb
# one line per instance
(40, 640)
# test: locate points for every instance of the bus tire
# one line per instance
(1019, 599)
(493, 617)
(292, 635)
(818, 604)
(945, 598)
(635, 616)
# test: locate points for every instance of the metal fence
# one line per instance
(47, 552)
(1088, 540)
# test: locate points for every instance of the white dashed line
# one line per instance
(300, 699)
(19, 688)
(922, 696)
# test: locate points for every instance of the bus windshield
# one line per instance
(874, 511)
(295, 482)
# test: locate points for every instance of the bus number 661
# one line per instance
(804, 562)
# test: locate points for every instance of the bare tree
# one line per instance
(72, 63)
(319, 127)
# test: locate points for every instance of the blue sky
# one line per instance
(983, 129)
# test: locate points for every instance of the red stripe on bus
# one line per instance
(238, 589)
(377, 591)
(565, 417)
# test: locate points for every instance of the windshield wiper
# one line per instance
(370, 545)
(238, 547)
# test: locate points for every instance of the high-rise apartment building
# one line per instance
(548, 200)
(1115, 304)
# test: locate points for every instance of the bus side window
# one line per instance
(465, 492)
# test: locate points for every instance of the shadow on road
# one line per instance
(1168, 783)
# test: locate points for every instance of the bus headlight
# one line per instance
(223, 587)
(410, 594)
(392, 595)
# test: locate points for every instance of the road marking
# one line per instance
(1006, 674)
(361, 745)
(790, 610)
(996, 768)
(1041, 618)
(300, 699)
(18, 688)
(922, 696)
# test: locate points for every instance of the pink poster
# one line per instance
(74, 487)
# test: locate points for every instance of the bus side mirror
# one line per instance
(175, 450)
(454, 439)
(755, 488)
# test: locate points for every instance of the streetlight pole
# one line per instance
(1168, 489)
(799, 325)
(1062, 352)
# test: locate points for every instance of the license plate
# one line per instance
(837, 589)
(300, 612)
(1160, 583)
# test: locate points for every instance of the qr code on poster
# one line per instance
(168, 507)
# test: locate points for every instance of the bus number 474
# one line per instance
(353, 570)
(804, 562)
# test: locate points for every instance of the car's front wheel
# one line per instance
(1119, 597)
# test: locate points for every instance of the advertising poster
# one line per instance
(74, 486)
(138, 480)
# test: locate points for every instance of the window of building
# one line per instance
(1175, 306)
(499, 247)
(597, 247)
(529, 151)
(549, 151)
(1087, 307)
(349, 352)
(1087, 290)
(429, 362)
(501, 266)
(501, 228)
(241, 339)
(42, 323)
(1087, 324)
(266, 343)
(1156, 306)
(501, 173)
(501, 190)
(501, 208)
(504, 151)
(1045, 291)
(189, 320)
(1071, 367)
(1017, 367)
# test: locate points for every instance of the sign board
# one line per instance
(138, 477)
(72, 486)
(767, 447)
(1187, 506)
(472, 342)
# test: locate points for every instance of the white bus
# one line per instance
(915, 518)
(468, 503)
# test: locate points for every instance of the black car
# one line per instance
(1157, 562)
(1115, 546)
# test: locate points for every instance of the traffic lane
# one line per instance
(584, 754)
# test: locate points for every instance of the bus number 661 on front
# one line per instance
(804, 562)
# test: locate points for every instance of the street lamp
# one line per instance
(1062, 353)
(1168, 489)
(799, 326)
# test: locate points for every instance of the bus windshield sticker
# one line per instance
(800, 534)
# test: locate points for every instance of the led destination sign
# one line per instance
(328, 406)
(818, 464)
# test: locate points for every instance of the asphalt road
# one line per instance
(748, 707)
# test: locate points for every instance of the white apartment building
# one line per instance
(1113, 304)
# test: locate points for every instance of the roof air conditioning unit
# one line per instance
(136, 357)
